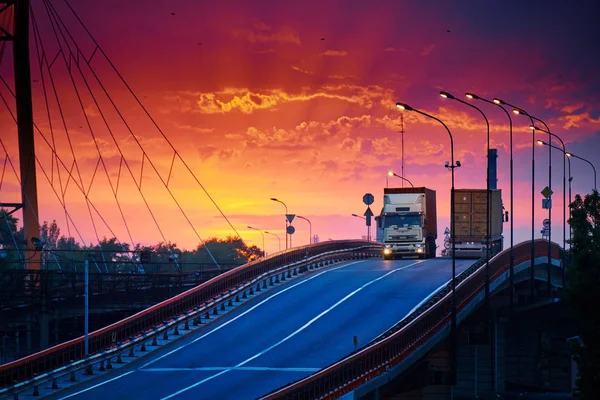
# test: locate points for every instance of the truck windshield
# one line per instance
(401, 220)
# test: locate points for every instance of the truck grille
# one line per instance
(402, 237)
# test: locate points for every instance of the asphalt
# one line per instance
(278, 337)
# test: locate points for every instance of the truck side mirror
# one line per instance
(506, 216)
(425, 221)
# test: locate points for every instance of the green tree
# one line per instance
(583, 292)
(9, 236)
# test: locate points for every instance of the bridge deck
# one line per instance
(280, 336)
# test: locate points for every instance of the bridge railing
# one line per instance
(356, 369)
(156, 316)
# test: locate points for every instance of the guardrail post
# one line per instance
(265, 284)
(215, 312)
(251, 292)
(143, 347)
(296, 270)
(206, 316)
(36, 390)
(16, 396)
(154, 341)
(165, 335)
(54, 384)
(89, 370)
(186, 326)
(271, 281)
(230, 303)
(289, 274)
(258, 287)
(222, 306)
(244, 296)
(72, 377)
(277, 278)
(283, 276)
(197, 321)
(109, 364)
(176, 331)
(131, 353)
(101, 368)
(237, 298)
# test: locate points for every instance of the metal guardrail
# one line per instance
(356, 369)
(112, 340)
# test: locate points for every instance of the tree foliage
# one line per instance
(583, 292)
(110, 255)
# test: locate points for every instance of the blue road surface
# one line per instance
(279, 336)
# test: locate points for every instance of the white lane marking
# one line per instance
(246, 312)
(303, 327)
(95, 386)
(232, 369)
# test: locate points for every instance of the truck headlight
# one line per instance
(419, 250)
(387, 251)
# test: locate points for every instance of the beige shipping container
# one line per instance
(471, 219)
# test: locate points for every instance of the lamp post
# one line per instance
(392, 173)
(286, 221)
(512, 256)
(309, 228)
(583, 159)
(519, 111)
(541, 142)
(564, 151)
(447, 95)
(263, 236)
(452, 166)
(368, 227)
(550, 205)
(277, 236)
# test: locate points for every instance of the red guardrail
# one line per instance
(109, 336)
(358, 368)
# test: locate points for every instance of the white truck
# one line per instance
(407, 225)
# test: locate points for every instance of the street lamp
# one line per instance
(583, 159)
(368, 227)
(263, 236)
(531, 117)
(512, 256)
(286, 220)
(277, 236)
(541, 142)
(392, 173)
(309, 228)
(563, 150)
(447, 95)
(452, 166)
(519, 111)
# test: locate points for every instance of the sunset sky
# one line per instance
(296, 100)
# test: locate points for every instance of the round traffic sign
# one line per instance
(546, 223)
(368, 199)
(446, 245)
(290, 230)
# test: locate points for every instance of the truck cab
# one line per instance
(408, 223)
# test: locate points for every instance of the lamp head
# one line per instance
(390, 173)
(447, 164)
(533, 127)
(458, 164)
(354, 215)
(273, 198)
(36, 242)
(518, 111)
(569, 154)
(249, 227)
(498, 101)
(541, 142)
(471, 95)
(403, 106)
(446, 95)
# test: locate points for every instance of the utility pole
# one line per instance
(20, 39)
(402, 139)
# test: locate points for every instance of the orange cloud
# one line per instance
(335, 53)
(285, 35)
